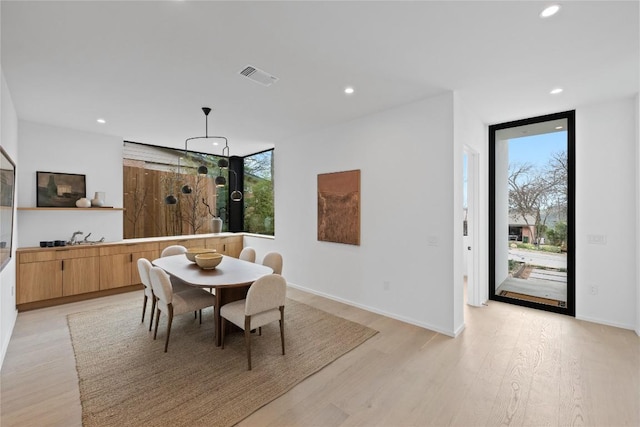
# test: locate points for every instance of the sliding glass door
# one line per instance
(531, 238)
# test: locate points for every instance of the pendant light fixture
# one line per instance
(221, 181)
(223, 163)
(236, 195)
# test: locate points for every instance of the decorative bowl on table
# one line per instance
(192, 252)
(208, 261)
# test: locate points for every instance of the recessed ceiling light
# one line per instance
(549, 11)
(101, 121)
(559, 127)
(348, 90)
(556, 91)
(215, 143)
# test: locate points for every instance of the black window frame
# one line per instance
(570, 308)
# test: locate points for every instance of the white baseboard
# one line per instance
(452, 334)
(607, 323)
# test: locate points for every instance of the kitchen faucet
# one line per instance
(73, 240)
(86, 240)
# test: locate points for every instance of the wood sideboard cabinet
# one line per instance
(58, 275)
(119, 263)
(54, 274)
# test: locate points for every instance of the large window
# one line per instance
(164, 195)
(258, 199)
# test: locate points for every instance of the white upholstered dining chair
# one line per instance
(172, 303)
(178, 285)
(173, 250)
(248, 254)
(144, 266)
(264, 304)
(273, 260)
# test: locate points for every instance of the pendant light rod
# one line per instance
(206, 111)
(226, 144)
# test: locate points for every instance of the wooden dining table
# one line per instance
(230, 279)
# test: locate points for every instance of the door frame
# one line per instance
(570, 308)
(474, 294)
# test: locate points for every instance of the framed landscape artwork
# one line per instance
(59, 190)
(7, 202)
(339, 207)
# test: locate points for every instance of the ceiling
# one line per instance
(147, 67)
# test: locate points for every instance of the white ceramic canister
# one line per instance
(98, 199)
(83, 203)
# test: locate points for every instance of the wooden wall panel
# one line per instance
(147, 215)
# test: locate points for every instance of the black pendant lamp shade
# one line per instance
(186, 189)
(221, 181)
(202, 170)
(170, 200)
(236, 196)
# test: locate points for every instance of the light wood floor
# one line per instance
(511, 366)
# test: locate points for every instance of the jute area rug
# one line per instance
(126, 379)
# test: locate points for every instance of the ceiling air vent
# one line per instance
(258, 76)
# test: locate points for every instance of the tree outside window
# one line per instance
(258, 193)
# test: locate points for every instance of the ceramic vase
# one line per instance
(216, 225)
(83, 203)
(98, 199)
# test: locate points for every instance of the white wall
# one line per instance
(501, 231)
(9, 141)
(406, 158)
(397, 223)
(637, 114)
(606, 199)
(263, 245)
(54, 149)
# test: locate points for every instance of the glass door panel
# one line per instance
(531, 254)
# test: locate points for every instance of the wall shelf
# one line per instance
(106, 208)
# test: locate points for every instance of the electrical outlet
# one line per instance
(386, 285)
(597, 239)
(594, 290)
(432, 241)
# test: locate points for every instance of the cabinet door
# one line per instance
(150, 255)
(39, 281)
(234, 246)
(115, 271)
(213, 243)
(231, 246)
(80, 275)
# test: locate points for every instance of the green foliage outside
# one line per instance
(514, 266)
(558, 235)
(532, 247)
(258, 200)
(259, 208)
